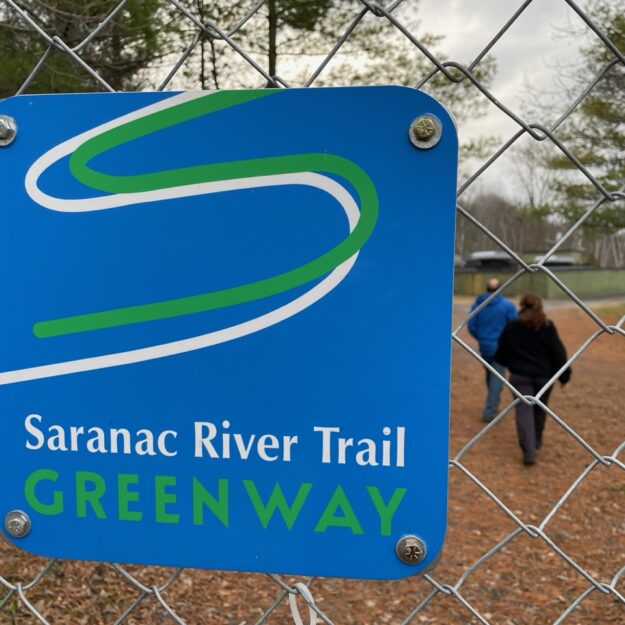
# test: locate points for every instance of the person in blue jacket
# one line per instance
(487, 327)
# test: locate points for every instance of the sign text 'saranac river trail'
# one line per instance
(225, 337)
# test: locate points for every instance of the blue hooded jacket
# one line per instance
(489, 323)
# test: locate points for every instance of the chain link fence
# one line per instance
(35, 590)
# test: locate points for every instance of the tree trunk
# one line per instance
(200, 8)
(214, 60)
(272, 52)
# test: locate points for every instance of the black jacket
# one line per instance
(532, 353)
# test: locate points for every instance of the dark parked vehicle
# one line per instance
(489, 260)
(558, 260)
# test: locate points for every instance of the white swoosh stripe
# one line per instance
(320, 290)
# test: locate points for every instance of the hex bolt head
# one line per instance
(410, 549)
(17, 524)
(8, 130)
(425, 131)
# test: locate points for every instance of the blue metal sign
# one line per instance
(225, 328)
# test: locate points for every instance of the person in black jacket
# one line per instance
(533, 352)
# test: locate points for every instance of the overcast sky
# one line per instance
(530, 53)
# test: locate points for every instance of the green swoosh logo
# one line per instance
(298, 163)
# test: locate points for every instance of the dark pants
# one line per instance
(530, 420)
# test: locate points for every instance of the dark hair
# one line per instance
(532, 314)
(492, 285)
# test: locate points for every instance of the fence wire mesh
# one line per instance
(482, 570)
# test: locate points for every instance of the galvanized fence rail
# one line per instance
(450, 590)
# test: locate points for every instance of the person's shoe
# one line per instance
(487, 418)
(529, 460)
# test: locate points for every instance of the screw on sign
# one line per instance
(8, 130)
(17, 523)
(425, 131)
(410, 549)
(424, 128)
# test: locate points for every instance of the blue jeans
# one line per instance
(494, 386)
